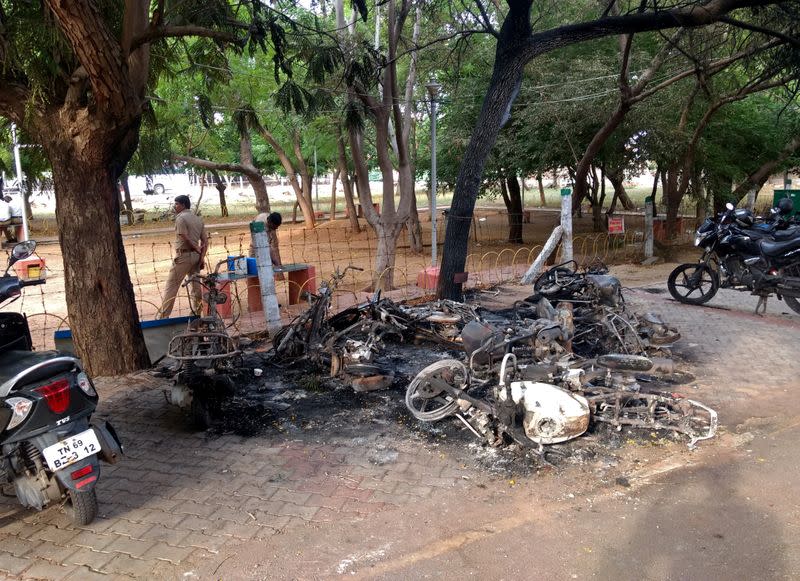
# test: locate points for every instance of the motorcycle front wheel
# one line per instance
(693, 283)
(81, 507)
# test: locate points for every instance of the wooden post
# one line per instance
(266, 277)
(648, 227)
(566, 223)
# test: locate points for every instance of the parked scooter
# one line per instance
(50, 451)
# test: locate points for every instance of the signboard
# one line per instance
(616, 225)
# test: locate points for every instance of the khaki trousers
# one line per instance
(182, 265)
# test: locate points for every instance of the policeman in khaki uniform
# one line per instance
(191, 244)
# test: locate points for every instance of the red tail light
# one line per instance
(56, 395)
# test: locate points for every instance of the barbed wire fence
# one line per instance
(491, 261)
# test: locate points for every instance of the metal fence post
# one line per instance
(566, 223)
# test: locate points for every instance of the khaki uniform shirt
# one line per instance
(191, 226)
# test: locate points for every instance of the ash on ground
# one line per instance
(297, 403)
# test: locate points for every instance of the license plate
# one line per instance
(71, 450)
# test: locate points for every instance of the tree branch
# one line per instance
(766, 169)
(755, 28)
(213, 165)
(487, 22)
(710, 70)
(690, 16)
(12, 101)
(156, 33)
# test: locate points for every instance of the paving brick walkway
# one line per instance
(180, 499)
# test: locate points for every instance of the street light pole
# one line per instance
(433, 90)
(18, 165)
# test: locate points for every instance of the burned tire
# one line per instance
(81, 507)
(693, 283)
(546, 285)
(202, 412)
(426, 400)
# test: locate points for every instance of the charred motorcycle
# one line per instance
(50, 451)
(735, 255)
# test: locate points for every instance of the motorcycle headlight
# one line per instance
(698, 239)
(20, 408)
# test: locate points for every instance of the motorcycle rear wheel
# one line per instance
(691, 277)
(426, 400)
(81, 507)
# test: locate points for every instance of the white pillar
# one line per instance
(566, 223)
(266, 277)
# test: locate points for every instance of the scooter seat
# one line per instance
(779, 248)
(12, 363)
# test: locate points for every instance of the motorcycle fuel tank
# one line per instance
(552, 414)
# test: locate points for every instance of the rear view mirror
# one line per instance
(23, 250)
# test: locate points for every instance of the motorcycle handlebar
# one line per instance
(32, 282)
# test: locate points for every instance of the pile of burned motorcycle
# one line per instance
(535, 374)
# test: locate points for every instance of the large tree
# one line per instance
(75, 77)
(517, 45)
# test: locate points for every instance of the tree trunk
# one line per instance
(506, 79)
(100, 297)
(513, 200)
(252, 173)
(334, 179)
(26, 199)
(672, 201)
(593, 149)
(220, 185)
(542, 200)
(388, 234)
(620, 194)
(126, 191)
(414, 228)
(347, 185)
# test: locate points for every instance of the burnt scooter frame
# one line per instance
(50, 451)
(205, 350)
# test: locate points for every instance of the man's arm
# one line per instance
(274, 249)
(191, 243)
(203, 249)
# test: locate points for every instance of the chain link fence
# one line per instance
(491, 260)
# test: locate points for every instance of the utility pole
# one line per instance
(22, 193)
(433, 90)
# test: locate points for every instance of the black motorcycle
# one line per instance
(739, 254)
(50, 451)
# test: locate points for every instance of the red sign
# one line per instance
(616, 225)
